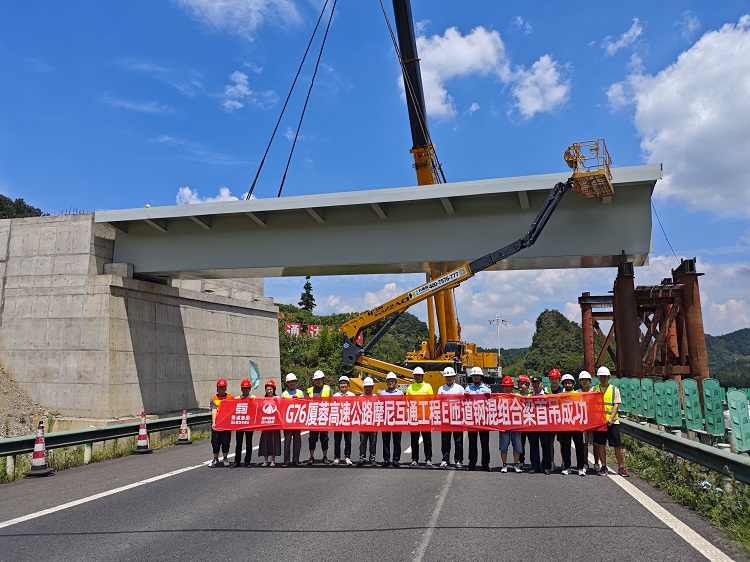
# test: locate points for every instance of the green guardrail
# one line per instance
(648, 406)
(692, 403)
(20, 445)
(739, 418)
(713, 408)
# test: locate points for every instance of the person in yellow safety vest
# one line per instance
(290, 435)
(584, 379)
(565, 437)
(239, 436)
(220, 440)
(612, 401)
(420, 388)
(318, 390)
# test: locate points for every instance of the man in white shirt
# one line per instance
(347, 435)
(450, 387)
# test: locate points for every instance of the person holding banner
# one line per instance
(270, 439)
(612, 401)
(524, 387)
(366, 437)
(508, 437)
(318, 390)
(420, 388)
(347, 435)
(239, 436)
(584, 379)
(478, 387)
(290, 435)
(220, 440)
(576, 436)
(450, 387)
(537, 438)
(391, 390)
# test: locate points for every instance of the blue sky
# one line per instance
(115, 105)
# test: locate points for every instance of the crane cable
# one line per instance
(307, 98)
(409, 87)
(289, 95)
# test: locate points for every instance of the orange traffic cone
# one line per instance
(184, 438)
(142, 447)
(39, 457)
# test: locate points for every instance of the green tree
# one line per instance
(306, 300)
(17, 209)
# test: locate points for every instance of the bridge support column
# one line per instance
(629, 362)
(697, 357)
(587, 324)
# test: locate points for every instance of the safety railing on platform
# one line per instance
(10, 448)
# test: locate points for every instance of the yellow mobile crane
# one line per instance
(591, 177)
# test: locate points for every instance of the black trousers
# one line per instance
(220, 440)
(366, 437)
(524, 438)
(537, 439)
(289, 436)
(337, 435)
(313, 438)
(387, 436)
(458, 439)
(484, 439)
(577, 438)
(427, 441)
(238, 437)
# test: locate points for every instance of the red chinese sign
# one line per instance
(293, 328)
(507, 412)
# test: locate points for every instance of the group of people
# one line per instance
(541, 443)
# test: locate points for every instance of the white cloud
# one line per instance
(388, 292)
(188, 84)
(481, 52)
(688, 24)
(154, 107)
(694, 116)
(474, 107)
(522, 24)
(242, 17)
(197, 151)
(542, 88)
(188, 196)
(237, 93)
(611, 46)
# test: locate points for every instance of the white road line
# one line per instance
(101, 495)
(433, 520)
(681, 529)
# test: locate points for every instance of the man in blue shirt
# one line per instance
(476, 386)
(392, 390)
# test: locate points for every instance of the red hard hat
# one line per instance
(554, 374)
(507, 381)
(221, 382)
(271, 383)
(524, 378)
(245, 384)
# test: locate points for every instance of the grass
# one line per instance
(69, 457)
(724, 502)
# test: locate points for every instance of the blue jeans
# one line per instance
(508, 437)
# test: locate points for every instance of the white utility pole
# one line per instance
(498, 321)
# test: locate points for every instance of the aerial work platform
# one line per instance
(396, 230)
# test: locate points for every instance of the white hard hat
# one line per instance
(418, 371)
(567, 377)
(476, 371)
(391, 376)
(584, 375)
(368, 382)
(449, 372)
(291, 377)
(343, 378)
(603, 372)
(318, 375)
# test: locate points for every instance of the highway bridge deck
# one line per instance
(336, 512)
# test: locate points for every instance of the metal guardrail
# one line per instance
(727, 463)
(21, 445)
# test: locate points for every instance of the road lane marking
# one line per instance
(101, 495)
(682, 530)
(433, 520)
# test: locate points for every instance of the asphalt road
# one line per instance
(326, 512)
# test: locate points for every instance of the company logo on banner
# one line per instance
(506, 412)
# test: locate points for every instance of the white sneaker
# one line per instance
(597, 467)
(444, 464)
(413, 463)
(565, 472)
(518, 468)
(348, 461)
(335, 461)
(505, 468)
(428, 464)
(582, 472)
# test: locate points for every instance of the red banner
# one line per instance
(506, 412)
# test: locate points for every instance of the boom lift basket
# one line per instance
(590, 163)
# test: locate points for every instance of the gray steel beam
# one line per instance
(349, 233)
